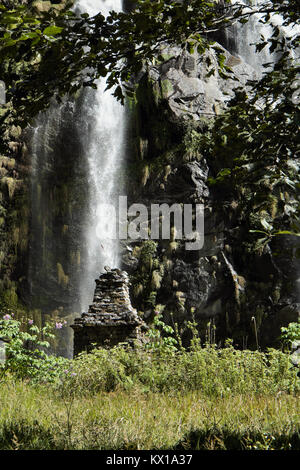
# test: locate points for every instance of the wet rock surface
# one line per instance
(224, 284)
(188, 87)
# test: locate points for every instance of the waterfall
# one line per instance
(76, 153)
(102, 144)
(250, 33)
(253, 31)
(58, 191)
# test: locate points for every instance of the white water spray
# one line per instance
(253, 31)
(103, 144)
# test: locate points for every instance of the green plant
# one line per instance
(25, 345)
(290, 335)
(161, 337)
(32, 43)
(160, 368)
(66, 393)
(196, 340)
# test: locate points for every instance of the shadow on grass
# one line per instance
(24, 436)
(32, 436)
(228, 439)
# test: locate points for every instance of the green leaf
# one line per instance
(52, 30)
(287, 232)
(9, 19)
(258, 231)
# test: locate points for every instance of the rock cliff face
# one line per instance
(111, 319)
(14, 218)
(182, 81)
(224, 285)
(26, 232)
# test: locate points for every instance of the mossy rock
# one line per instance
(166, 88)
(41, 5)
(45, 5)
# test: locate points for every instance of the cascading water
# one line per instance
(102, 143)
(250, 33)
(58, 200)
(77, 153)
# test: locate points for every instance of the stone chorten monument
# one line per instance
(111, 319)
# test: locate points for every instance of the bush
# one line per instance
(25, 345)
(290, 335)
(215, 372)
(162, 365)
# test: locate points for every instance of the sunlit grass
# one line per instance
(37, 417)
(206, 398)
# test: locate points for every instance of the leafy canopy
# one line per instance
(253, 151)
(253, 148)
(52, 53)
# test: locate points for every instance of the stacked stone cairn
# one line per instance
(111, 319)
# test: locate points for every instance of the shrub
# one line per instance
(25, 344)
(290, 335)
(214, 372)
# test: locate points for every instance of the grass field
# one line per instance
(125, 400)
(36, 418)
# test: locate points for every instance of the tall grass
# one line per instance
(206, 398)
(39, 418)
